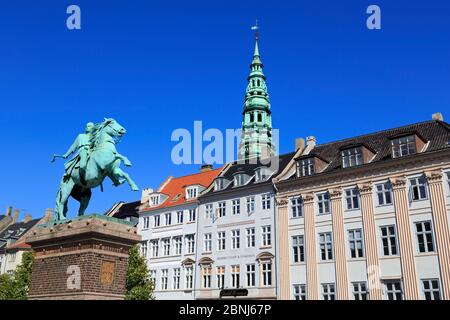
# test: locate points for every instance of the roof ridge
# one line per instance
(193, 174)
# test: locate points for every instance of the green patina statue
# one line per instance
(96, 158)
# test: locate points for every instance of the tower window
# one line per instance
(259, 83)
(252, 117)
(259, 117)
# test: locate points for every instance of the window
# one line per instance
(326, 246)
(389, 240)
(300, 291)
(266, 236)
(221, 240)
(166, 246)
(448, 179)
(176, 278)
(154, 200)
(168, 218)
(235, 276)
(431, 289)
(239, 180)
(235, 239)
(404, 146)
(220, 277)
(207, 242)
(190, 243)
(266, 273)
(323, 203)
(424, 236)
(236, 206)
(192, 214)
(179, 216)
(206, 277)
(328, 291)
(305, 167)
(384, 194)
(359, 290)
(178, 244)
(393, 290)
(144, 249)
(250, 237)
(146, 224)
(219, 184)
(251, 275)
(164, 278)
(352, 157)
(189, 274)
(208, 211)
(265, 198)
(259, 114)
(356, 243)
(191, 192)
(418, 189)
(156, 221)
(261, 174)
(297, 207)
(222, 209)
(352, 199)
(155, 247)
(152, 276)
(250, 204)
(298, 249)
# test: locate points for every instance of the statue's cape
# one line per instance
(71, 164)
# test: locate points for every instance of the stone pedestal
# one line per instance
(81, 259)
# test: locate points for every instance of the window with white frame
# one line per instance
(250, 237)
(154, 200)
(239, 179)
(424, 235)
(221, 240)
(152, 276)
(328, 291)
(176, 278)
(191, 193)
(266, 269)
(305, 167)
(352, 157)
(222, 208)
(352, 199)
(146, 223)
(265, 201)
(389, 240)
(235, 239)
(235, 276)
(206, 277)
(251, 275)
(156, 221)
(326, 246)
(355, 239)
(431, 289)
(209, 211)
(384, 194)
(393, 290)
(144, 249)
(236, 206)
(403, 146)
(299, 291)
(266, 236)
(296, 207)
(178, 245)
(155, 247)
(168, 218)
(418, 189)
(298, 249)
(166, 246)
(189, 277)
(323, 203)
(207, 242)
(219, 184)
(220, 277)
(359, 290)
(164, 279)
(261, 174)
(190, 243)
(192, 214)
(180, 216)
(250, 204)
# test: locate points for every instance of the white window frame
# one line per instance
(403, 146)
(207, 242)
(221, 240)
(391, 240)
(323, 203)
(222, 209)
(192, 214)
(418, 189)
(157, 221)
(220, 277)
(306, 167)
(352, 200)
(236, 205)
(146, 223)
(250, 235)
(154, 248)
(235, 276)
(326, 247)
(266, 201)
(180, 216)
(384, 191)
(164, 279)
(209, 211)
(430, 292)
(191, 192)
(250, 275)
(299, 291)
(352, 157)
(250, 204)
(393, 291)
(189, 277)
(266, 273)
(296, 207)
(190, 243)
(206, 276)
(359, 290)
(328, 291)
(176, 279)
(144, 249)
(356, 243)
(424, 235)
(168, 218)
(165, 247)
(266, 236)
(235, 239)
(178, 245)
(298, 249)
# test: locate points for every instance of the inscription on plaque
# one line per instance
(107, 272)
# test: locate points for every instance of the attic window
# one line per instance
(8, 234)
(403, 146)
(176, 197)
(219, 184)
(261, 174)
(305, 167)
(239, 179)
(154, 200)
(191, 192)
(352, 157)
(20, 231)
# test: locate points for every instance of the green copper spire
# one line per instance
(256, 140)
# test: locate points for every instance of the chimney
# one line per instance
(311, 141)
(9, 211)
(16, 215)
(299, 143)
(438, 116)
(48, 215)
(146, 195)
(206, 168)
(27, 218)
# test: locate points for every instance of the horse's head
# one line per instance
(113, 128)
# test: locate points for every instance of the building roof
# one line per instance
(128, 209)
(436, 134)
(175, 189)
(15, 231)
(19, 245)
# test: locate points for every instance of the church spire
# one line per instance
(256, 140)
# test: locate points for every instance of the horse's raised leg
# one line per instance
(118, 173)
(65, 188)
(84, 201)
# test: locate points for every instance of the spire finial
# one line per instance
(256, 29)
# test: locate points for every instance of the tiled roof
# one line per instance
(15, 231)
(21, 245)
(129, 209)
(175, 188)
(435, 132)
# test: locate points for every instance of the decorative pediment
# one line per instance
(265, 256)
(205, 260)
(188, 262)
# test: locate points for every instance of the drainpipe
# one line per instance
(275, 224)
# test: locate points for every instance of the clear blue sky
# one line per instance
(160, 65)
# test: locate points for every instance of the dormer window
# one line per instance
(305, 167)
(352, 157)
(191, 192)
(154, 200)
(239, 179)
(262, 174)
(403, 146)
(219, 184)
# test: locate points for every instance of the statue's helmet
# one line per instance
(89, 127)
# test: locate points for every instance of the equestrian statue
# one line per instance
(95, 159)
